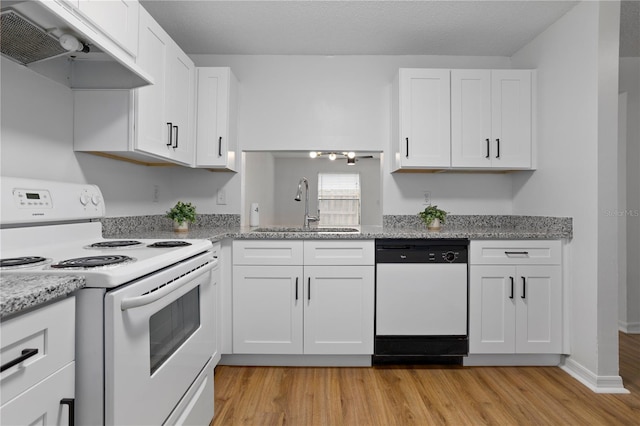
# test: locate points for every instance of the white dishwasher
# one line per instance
(421, 301)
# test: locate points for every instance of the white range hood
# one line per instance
(105, 66)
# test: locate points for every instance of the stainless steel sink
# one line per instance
(296, 229)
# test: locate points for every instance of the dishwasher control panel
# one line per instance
(422, 251)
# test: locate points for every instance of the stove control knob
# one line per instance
(95, 199)
(84, 198)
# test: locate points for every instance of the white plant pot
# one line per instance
(434, 225)
(180, 226)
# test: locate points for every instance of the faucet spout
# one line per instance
(298, 197)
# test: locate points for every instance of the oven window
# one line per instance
(171, 327)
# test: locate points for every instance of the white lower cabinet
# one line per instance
(515, 307)
(38, 351)
(301, 309)
(338, 310)
(267, 315)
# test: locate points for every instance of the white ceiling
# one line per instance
(478, 27)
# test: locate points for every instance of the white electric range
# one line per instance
(144, 321)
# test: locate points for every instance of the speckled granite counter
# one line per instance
(19, 292)
(471, 227)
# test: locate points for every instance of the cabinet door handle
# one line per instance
(220, 146)
(170, 125)
(498, 148)
(407, 155)
(296, 289)
(24, 355)
(309, 289)
(524, 288)
(488, 149)
(71, 403)
(176, 129)
(511, 295)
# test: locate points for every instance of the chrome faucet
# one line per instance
(307, 218)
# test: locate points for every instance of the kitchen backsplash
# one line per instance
(116, 225)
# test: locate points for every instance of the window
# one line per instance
(339, 199)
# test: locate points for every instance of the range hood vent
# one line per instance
(24, 42)
(51, 38)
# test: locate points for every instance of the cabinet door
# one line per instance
(179, 95)
(338, 316)
(42, 403)
(152, 130)
(492, 309)
(538, 310)
(117, 18)
(511, 118)
(425, 118)
(267, 309)
(471, 118)
(212, 135)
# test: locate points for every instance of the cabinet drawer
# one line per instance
(515, 252)
(272, 252)
(41, 404)
(338, 252)
(50, 330)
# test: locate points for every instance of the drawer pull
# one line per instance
(25, 354)
(71, 403)
(517, 253)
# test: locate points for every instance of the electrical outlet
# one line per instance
(427, 198)
(156, 193)
(221, 197)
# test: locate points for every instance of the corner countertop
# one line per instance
(19, 292)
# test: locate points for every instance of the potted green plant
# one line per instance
(433, 217)
(182, 214)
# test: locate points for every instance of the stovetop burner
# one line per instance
(115, 244)
(92, 262)
(23, 262)
(169, 244)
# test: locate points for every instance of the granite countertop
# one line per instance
(473, 227)
(366, 232)
(19, 292)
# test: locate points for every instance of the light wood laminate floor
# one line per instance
(389, 396)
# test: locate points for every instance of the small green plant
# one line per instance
(432, 212)
(182, 212)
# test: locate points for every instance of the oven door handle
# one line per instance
(138, 301)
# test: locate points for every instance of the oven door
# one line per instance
(158, 337)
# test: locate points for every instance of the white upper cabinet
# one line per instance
(216, 128)
(462, 120)
(117, 18)
(421, 124)
(164, 111)
(491, 119)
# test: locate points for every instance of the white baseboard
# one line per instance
(496, 360)
(598, 384)
(629, 327)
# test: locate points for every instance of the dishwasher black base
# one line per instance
(420, 350)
